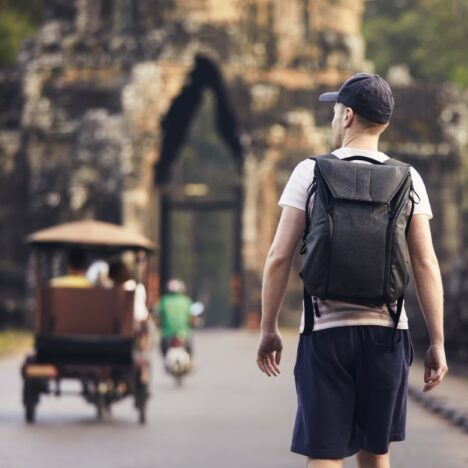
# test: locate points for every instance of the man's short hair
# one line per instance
(76, 258)
(367, 124)
(119, 272)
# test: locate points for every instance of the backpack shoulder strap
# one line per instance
(396, 314)
(324, 156)
(310, 304)
(310, 192)
(395, 162)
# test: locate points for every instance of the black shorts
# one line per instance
(351, 391)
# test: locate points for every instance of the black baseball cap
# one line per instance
(368, 95)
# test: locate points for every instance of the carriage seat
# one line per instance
(85, 325)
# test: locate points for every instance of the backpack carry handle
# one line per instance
(362, 158)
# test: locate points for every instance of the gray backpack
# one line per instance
(355, 238)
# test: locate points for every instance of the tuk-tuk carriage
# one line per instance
(88, 333)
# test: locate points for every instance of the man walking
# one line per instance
(352, 364)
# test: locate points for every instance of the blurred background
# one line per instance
(182, 120)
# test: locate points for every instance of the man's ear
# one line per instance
(349, 117)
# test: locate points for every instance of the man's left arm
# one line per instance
(275, 279)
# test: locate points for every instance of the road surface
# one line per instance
(227, 415)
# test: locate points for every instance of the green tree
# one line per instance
(19, 19)
(428, 36)
(389, 9)
(441, 53)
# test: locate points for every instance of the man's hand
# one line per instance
(435, 367)
(269, 353)
(275, 278)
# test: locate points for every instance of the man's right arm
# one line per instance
(430, 295)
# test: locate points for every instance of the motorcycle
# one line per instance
(178, 359)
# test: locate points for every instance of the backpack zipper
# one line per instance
(390, 239)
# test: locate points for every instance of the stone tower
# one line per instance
(99, 88)
(97, 109)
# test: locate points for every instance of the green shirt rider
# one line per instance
(175, 317)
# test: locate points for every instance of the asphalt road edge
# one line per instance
(435, 405)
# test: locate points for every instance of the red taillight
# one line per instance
(176, 342)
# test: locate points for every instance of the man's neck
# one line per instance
(364, 142)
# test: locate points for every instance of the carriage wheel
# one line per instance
(102, 408)
(141, 399)
(30, 400)
(142, 414)
(30, 413)
(99, 410)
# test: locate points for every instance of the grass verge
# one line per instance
(14, 341)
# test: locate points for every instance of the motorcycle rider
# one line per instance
(175, 317)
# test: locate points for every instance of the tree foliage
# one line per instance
(429, 36)
(19, 19)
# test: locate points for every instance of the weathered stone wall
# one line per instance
(95, 84)
(13, 198)
(82, 121)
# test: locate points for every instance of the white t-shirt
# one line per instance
(140, 311)
(337, 313)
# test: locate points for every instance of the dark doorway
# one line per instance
(199, 175)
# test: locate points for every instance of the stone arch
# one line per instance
(174, 127)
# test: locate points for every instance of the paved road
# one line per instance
(228, 415)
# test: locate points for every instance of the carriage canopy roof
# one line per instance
(91, 233)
